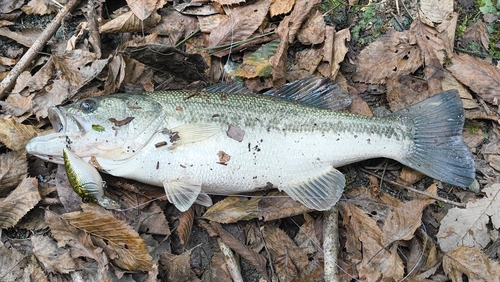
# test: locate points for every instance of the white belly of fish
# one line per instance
(223, 165)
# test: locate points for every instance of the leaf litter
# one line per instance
(386, 233)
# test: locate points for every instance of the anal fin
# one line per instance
(320, 192)
(182, 192)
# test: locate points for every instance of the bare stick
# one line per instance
(25, 61)
(331, 244)
(231, 263)
(460, 205)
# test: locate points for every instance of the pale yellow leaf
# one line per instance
(279, 7)
(119, 240)
(469, 226)
(19, 202)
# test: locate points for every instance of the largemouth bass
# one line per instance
(194, 143)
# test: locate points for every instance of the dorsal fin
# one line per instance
(312, 91)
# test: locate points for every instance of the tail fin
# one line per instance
(438, 150)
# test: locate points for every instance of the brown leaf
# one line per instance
(122, 243)
(288, 259)
(313, 29)
(14, 134)
(406, 90)
(278, 206)
(450, 82)
(13, 169)
(339, 50)
(185, 226)
(59, 91)
(144, 8)
(477, 33)
(178, 267)
(233, 209)
(478, 75)
(68, 197)
(402, 222)
(128, 22)
(39, 7)
(471, 262)
(24, 37)
(280, 7)
(242, 22)
(409, 176)
(392, 55)
(13, 263)
(78, 67)
(217, 268)
(19, 202)
(154, 220)
(175, 26)
(53, 259)
(436, 10)
(254, 258)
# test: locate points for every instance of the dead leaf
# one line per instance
(155, 222)
(128, 22)
(13, 264)
(406, 90)
(122, 243)
(229, 2)
(24, 37)
(39, 7)
(68, 197)
(450, 82)
(13, 169)
(19, 202)
(279, 205)
(254, 258)
(477, 33)
(235, 133)
(280, 7)
(53, 259)
(478, 75)
(178, 267)
(242, 23)
(390, 56)
(313, 29)
(217, 268)
(409, 176)
(339, 50)
(175, 26)
(209, 23)
(121, 122)
(15, 135)
(468, 227)
(185, 226)
(233, 209)
(78, 67)
(144, 8)
(9, 6)
(436, 10)
(473, 263)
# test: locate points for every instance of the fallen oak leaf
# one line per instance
(119, 240)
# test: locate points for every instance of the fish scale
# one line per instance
(291, 141)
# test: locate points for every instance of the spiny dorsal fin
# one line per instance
(312, 91)
(320, 192)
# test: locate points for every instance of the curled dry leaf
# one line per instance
(478, 75)
(19, 202)
(242, 23)
(392, 55)
(471, 262)
(119, 240)
(468, 227)
(15, 135)
(185, 225)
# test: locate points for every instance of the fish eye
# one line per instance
(86, 199)
(88, 105)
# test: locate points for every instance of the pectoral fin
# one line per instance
(320, 192)
(182, 192)
(192, 132)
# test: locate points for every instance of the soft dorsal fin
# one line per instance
(320, 192)
(314, 91)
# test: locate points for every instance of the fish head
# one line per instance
(113, 127)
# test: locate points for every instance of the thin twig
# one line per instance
(39, 43)
(461, 205)
(231, 263)
(331, 244)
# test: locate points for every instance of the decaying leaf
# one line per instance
(392, 55)
(478, 75)
(450, 82)
(39, 7)
(13, 264)
(128, 22)
(436, 10)
(155, 222)
(144, 8)
(339, 49)
(19, 202)
(15, 135)
(13, 169)
(185, 226)
(178, 267)
(313, 29)
(409, 176)
(53, 259)
(233, 209)
(120, 242)
(279, 7)
(242, 23)
(471, 262)
(257, 63)
(468, 227)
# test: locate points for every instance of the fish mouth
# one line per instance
(57, 119)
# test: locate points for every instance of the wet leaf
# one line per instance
(15, 135)
(392, 55)
(242, 23)
(19, 202)
(473, 263)
(478, 75)
(468, 227)
(122, 243)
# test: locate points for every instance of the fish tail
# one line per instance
(438, 150)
